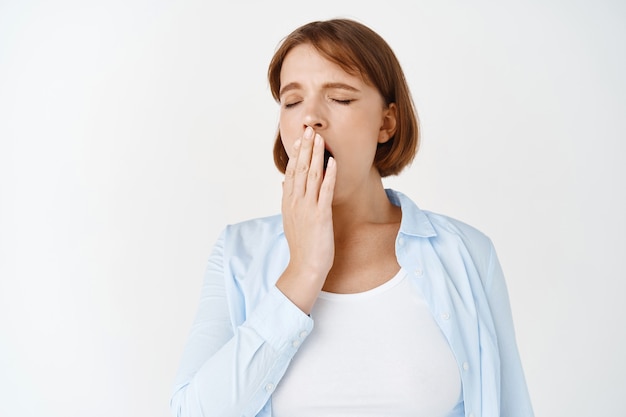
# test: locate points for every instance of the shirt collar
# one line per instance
(414, 221)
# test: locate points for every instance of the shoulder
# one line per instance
(252, 238)
(257, 229)
(443, 231)
(459, 241)
(447, 227)
(269, 224)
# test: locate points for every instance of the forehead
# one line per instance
(305, 62)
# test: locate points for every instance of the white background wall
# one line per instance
(132, 131)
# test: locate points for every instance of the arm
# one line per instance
(514, 397)
(233, 372)
(228, 371)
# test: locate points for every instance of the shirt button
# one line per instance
(465, 366)
(419, 272)
(303, 334)
(445, 316)
(269, 387)
(470, 415)
(295, 343)
(401, 241)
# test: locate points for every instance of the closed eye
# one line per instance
(344, 102)
(290, 105)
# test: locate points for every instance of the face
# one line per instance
(348, 113)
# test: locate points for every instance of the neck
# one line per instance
(365, 208)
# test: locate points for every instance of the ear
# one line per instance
(388, 125)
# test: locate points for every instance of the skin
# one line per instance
(339, 225)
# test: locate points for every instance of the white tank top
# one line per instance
(375, 353)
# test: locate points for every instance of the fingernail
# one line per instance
(308, 132)
(296, 145)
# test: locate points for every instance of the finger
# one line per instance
(316, 169)
(303, 162)
(327, 190)
(290, 170)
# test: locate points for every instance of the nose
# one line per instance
(314, 116)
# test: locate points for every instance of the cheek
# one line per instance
(287, 135)
(287, 142)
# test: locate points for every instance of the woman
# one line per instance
(410, 308)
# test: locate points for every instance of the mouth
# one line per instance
(327, 155)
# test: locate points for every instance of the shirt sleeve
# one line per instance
(514, 397)
(232, 371)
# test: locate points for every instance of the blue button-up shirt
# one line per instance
(246, 331)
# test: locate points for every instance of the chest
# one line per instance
(373, 353)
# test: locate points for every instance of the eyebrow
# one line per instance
(326, 86)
